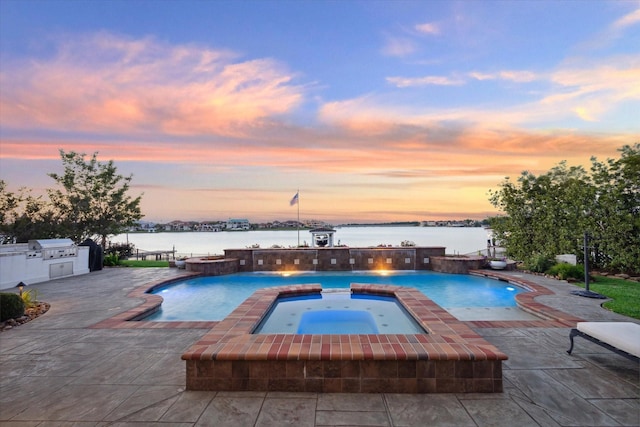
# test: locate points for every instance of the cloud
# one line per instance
(398, 46)
(614, 31)
(628, 20)
(428, 28)
(402, 82)
(114, 84)
(518, 76)
(591, 90)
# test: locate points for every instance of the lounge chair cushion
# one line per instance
(621, 335)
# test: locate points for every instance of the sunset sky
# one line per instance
(374, 110)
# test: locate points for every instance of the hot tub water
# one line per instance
(338, 312)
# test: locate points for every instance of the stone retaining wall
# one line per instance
(334, 259)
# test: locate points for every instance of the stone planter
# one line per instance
(498, 264)
(181, 263)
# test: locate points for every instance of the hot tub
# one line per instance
(450, 358)
(338, 312)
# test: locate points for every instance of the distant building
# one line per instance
(315, 223)
(236, 224)
(212, 227)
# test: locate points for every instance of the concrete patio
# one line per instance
(58, 370)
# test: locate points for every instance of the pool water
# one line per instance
(213, 298)
(338, 313)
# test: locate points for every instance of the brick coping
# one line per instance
(447, 338)
(450, 358)
(550, 318)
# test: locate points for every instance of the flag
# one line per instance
(294, 200)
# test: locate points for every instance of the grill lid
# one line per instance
(40, 244)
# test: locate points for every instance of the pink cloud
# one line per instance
(111, 84)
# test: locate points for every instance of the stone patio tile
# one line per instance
(624, 411)
(442, 410)
(84, 349)
(143, 424)
(38, 341)
(555, 340)
(148, 403)
(165, 369)
(564, 406)
(594, 383)
(231, 412)
(38, 366)
(526, 353)
(350, 402)
(175, 341)
(68, 424)
(349, 418)
(23, 392)
(20, 423)
(78, 403)
(494, 413)
(298, 412)
(623, 368)
(283, 394)
(537, 413)
(257, 394)
(500, 332)
(122, 368)
(188, 407)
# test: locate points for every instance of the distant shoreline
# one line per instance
(382, 225)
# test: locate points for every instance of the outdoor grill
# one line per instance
(41, 260)
(54, 248)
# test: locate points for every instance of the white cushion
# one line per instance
(621, 335)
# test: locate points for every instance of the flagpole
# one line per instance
(298, 225)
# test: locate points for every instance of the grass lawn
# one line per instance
(624, 294)
(143, 263)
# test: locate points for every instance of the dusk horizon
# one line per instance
(374, 111)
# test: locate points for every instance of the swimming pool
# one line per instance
(212, 298)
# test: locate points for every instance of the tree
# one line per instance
(544, 214)
(547, 215)
(616, 210)
(24, 216)
(93, 200)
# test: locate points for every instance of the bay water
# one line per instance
(456, 240)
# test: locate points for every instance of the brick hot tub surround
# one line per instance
(451, 358)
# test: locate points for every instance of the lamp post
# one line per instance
(20, 287)
(587, 292)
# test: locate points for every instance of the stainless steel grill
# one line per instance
(54, 248)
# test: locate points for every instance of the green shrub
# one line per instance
(111, 260)
(11, 306)
(539, 263)
(122, 250)
(564, 271)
